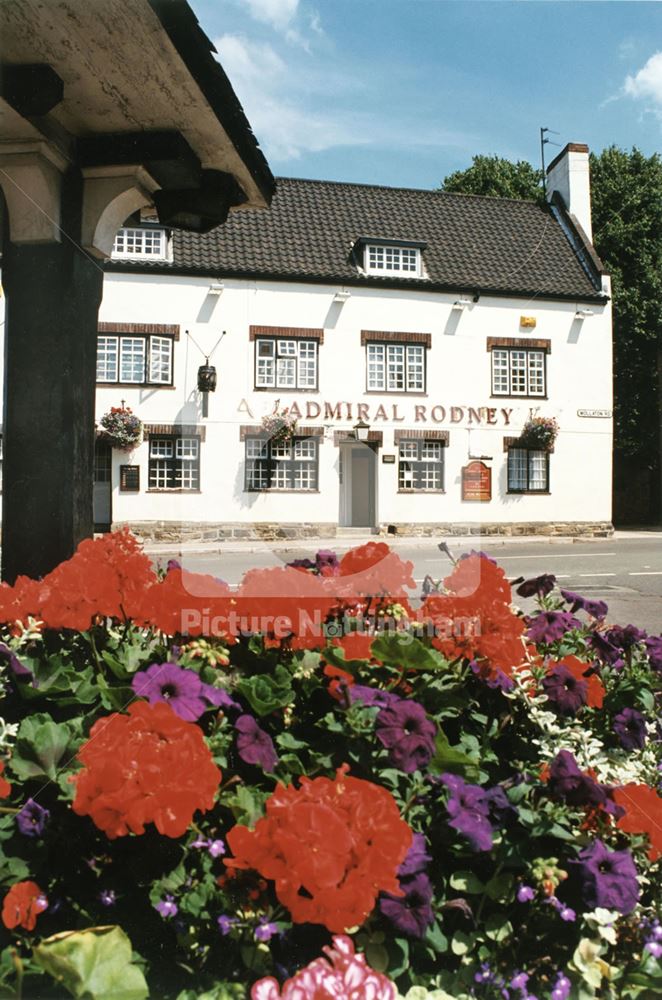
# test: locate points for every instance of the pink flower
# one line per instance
(346, 976)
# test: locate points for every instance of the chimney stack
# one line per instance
(568, 176)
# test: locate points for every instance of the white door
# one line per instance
(358, 480)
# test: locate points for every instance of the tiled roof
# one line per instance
(472, 243)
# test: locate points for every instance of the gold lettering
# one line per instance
(380, 413)
(396, 418)
(294, 410)
(419, 413)
(506, 415)
(474, 416)
(332, 412)
(438, 414)
(491, 415)
(309, 409)
(245, 408)
(348, 409)
(363, 411)
(457, 414)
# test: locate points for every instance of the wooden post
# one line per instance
(53, 295)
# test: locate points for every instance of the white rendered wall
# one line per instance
(458, 375)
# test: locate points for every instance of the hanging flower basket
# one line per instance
(539, 433)
(121, 428)
(279, 427)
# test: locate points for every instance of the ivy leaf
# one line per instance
(95, 963)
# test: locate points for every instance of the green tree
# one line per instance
(497, 177)
(627, 233)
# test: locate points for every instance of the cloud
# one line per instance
(291, 119)
(647, 83)
(277, 13)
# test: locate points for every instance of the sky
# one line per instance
(403, 92)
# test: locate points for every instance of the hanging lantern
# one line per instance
(207, 378)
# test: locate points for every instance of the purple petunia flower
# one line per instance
(525, 894)
(326, 563)
(410, 914)
(548, 626)
(630, 727)
(562, 987)
(216, 848)
(417, 857)
(107, 897)
(11, 660)
(265, 930)
(254, 745)
(370, 696)
(469, 808)
(540, 585)
(596, 609)
(182, 689)
(407, 733)
(606, 651)
(32, 819)
(167, 907)
(569, 784)
(566, 693)
(625, 636)
(655, 948)
(225, 923)
(608, 878)
(301, 564)
(653, 646)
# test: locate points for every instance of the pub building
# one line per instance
(408, 335)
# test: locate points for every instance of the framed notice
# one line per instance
(477, 483)
(129, 478)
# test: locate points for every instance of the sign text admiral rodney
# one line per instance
(420, 413)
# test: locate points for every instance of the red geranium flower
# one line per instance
(23, 904)
(149, 766)
(5, 787)
(643, 814)
(372, 570)
(331, 846)
(474, 619)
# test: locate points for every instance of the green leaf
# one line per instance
(500, 886)
(461, 943)
(447, 758)
(289, 742)
(40, 747)
(265, 692)
(406, 652)
(95, 964)
(436, 938)
(498, 927)
(246, 804)
(466, 882)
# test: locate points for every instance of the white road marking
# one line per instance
(597, 574)
(568, 555)
(652, 572)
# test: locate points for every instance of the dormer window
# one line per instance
(383, 257)
(141, 243)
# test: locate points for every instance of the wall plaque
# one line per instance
(477, 482)
(388, 459)
(129, 478)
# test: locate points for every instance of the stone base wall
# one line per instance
(584, 529)
(190, 531)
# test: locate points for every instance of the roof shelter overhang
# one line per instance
(132, 95)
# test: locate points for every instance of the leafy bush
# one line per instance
(207, 793)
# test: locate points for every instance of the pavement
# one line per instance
(625, 570)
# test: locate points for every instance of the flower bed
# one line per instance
(310, 788)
